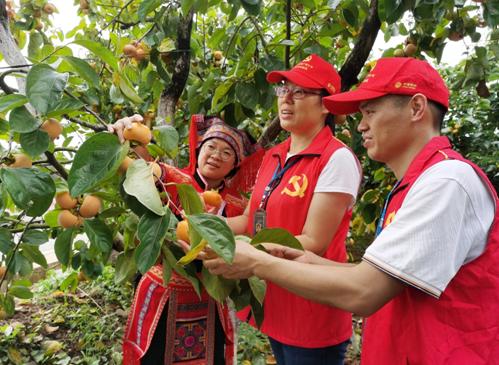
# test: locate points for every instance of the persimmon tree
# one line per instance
(167, 60)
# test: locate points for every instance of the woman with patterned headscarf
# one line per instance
(170, 324)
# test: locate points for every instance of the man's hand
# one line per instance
(124, 123)
(246, 256)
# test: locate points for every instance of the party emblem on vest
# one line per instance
(389, 219)
(298, 186)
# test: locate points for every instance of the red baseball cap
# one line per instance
(392, 75)
(313, 72)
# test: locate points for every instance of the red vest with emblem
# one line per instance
(289, 318)
(462, 326)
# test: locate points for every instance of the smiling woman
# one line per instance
(170, 321)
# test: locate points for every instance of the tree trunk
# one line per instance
(9, 48)
(170, 96)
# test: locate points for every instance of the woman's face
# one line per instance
(216, 159)
(300, 109)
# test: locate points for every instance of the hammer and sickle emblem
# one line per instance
(299, 190)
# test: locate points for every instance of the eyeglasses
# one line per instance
(296, 93)
(211, 149)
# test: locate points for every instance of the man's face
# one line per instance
(384, 128)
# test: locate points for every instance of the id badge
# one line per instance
(259, 220)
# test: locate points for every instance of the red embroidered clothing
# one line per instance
(288, 318)
(460, 327)
(190, 327)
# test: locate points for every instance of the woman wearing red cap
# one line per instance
(170, 324)
(306, 185)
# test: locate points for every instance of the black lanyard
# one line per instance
(276, 179)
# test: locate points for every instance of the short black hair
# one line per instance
(437, 110)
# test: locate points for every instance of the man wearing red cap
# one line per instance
(430, 280)
(306, 185)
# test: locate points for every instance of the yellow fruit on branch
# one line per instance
(65, 200)
(410, 49)
(21, 160)
(49, 8)
(340, 119)
(213, 198)
(218, 55)
(67, 219)
(183, 231)
(3, 270)
(129, 50)
(90, 207)
(398, 53)
(52, 127)
(124, 165)
(140, 54)
(138, 133)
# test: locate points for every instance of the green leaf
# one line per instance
(214, 230)
(139, 183)
(189, 199)
(50, 218)
(83, 69)
(277, 235)
(99, 234)
(370, 196)
(247, 94)
(100, 51)
(217, 287)
(97, 159)
(167, 138)
(390, 10)
(193, 253)
(70, 282)
(64, 106)
(147, 6)
(35, 237)
(34, 255)
(184, 272)
(256, 311)
(35, 143)
(35, 43)
(20, 292)
(220, 92)
(128, 90)
(151, 232)
(258, 288)
(187, 5)
(125, 267)
(6, 243)
(22, 121)
(30, 189)
(11, 101)
(63, 246)
(44, 87)
(252, 7)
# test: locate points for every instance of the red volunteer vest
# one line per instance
(289, 318)
(462, 327)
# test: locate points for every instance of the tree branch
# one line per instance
(53, 161)
(96, 128)
(170, 96)
(362, 48)
(270, 133)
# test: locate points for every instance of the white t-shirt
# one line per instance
(341, 174)
(442, 224)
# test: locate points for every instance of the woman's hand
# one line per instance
(124, 123)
